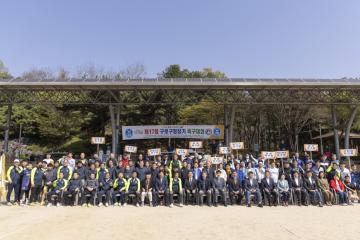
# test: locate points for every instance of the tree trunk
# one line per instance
(336, 135)
(348, 128)
(113, 128)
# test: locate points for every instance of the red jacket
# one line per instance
(125, 162)
(333, 185)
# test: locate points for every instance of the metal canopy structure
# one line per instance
(227, 91)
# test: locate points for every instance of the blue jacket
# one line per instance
(106, 184)
(25, 182)
(161, 185)
(74, 184)
(14, 174)
(37, 176)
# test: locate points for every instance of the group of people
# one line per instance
(169, 179)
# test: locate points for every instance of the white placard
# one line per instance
(311, 147)
(154, 152)
(97, 140)
(195, 144)
(268, 155)
(348, 152)
(224, 150)
(282, 154)
(237, 145)
(130, 149)
(182, 151)
(217, 160)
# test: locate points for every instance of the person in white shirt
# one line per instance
(344, 171)
(274, 171)
(48, 159)
(260, 172)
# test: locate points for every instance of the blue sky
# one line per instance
(243, 38)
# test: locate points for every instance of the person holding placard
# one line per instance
(252, 188)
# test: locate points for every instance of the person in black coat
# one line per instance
(235, 189)
(269, 188)
(190, 188)
(312, 189)
(252, 188)
(161, 187)
(300, 192)
(204, 187)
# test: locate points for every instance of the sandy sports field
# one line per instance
(337, 222)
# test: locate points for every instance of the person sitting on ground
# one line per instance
(91, 187)
(324, 187)
(312, 189)
(175, 187)
(283, 189)
(252, 188)
(268, 185)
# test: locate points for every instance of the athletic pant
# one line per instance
(92, 196)
(180, 197)
(57, 193)
(16, 188)
(121, 197)
(35, 193)
(26, 192)
(107, 195)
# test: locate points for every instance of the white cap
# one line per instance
(16, 160)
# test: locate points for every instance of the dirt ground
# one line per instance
(337, 222)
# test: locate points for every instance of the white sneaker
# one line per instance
(100, 204)
(181, 205)
(49, 205)
(124, 205)
(58, 204)
(106, 204)
(137, 205)
(171, 205)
